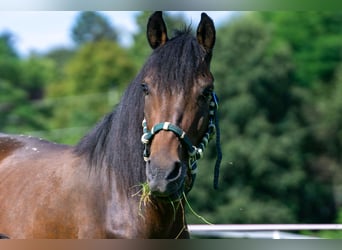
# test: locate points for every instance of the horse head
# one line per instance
(179, 105)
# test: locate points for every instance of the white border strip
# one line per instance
(263, 227)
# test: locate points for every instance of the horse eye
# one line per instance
(144, 88)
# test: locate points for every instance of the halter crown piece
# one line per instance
(195, 153)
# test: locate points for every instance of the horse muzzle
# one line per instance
(166, 178)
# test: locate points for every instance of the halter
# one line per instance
(195, 153)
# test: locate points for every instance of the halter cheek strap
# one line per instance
(195, 153)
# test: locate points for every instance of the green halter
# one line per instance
(195, 153)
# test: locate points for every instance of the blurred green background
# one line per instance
(278, 76)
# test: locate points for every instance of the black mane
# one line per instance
(114, 143)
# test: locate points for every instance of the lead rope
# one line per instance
(218, 152)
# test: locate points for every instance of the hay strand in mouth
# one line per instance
(145, 197)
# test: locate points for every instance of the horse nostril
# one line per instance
(175, 172)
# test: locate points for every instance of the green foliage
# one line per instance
(92, 79)
(83, 112)
(97, 67)
(315, 38)
(6, 48)
(36, 73)
(92, 26)
(329, 132)
(9, 60)
(59, 57)
(21, 82)
(272, 171)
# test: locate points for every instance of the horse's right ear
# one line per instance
(156, 30)
(206, 33)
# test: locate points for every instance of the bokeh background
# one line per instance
(278, 76)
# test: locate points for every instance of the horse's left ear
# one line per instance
(206, 33)
(156, 30)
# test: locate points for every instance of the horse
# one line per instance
(126, 178)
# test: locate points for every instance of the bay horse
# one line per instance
(128, 176)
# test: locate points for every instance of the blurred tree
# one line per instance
(92, 26)
(269, 170)
(315, 38)
(9, 59)
(96, 67)
(21, 83)
(328, 133)
(92, 80)
(6, 44)
(60, 56)
(37, 72)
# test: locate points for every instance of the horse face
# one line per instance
(177, 98)
(167, 166)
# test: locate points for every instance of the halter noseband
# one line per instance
(195, 153)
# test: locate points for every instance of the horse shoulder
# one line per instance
(49, 190)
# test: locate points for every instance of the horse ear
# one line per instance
(156, 30)
(206, 33)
